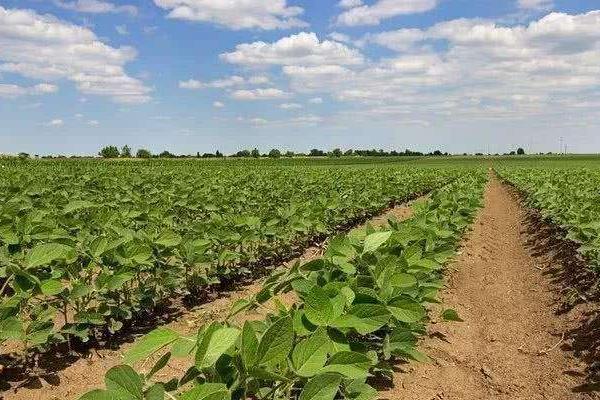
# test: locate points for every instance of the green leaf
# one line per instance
(77, 205)
(310, 355)
(207, 391)
(359, 390)
(214, 343)
(150, 344)
(451, 315)
(44, 254)
(168, 239)
(375, 241)
(406, 310)
(249, 345)
(317, 307)
(321, 387)
(51, 287)
(351, 364)
(160, 364)
(99, 395)
(10, 328)
(155, 392)
(276, 343)
(402, 280)
(125, 382)
(364, 318)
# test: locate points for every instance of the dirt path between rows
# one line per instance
(512, 343)
(88, 373)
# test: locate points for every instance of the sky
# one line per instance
(193, 76)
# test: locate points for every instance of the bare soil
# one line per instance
(68, 382)
(517, 339)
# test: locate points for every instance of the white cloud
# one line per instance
(236, 14)
(383, 9)
(290, 106)
(218, 104)
(300, 49)
(260, 94)
(340, 37)
(316, 100)
(13, 91)
(122, 30)
(224, 83)
(44, 47)
(349, 3)
(78, 115)
(55, 123)
(469, 69)
(535, 4)
(96, 7)
(93, 122)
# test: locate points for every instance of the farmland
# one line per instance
(89, 248)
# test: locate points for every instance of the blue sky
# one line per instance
(199, 75)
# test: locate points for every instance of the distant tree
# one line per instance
(218, 154)
(437, 153)
(109, 152)
(289, 154)
(23, 156)
(143, 153)
(512, 153)
(166, 154)
(316, 153)
(520, 151)
(243, 153)
(255, 153)
(336, 153)
(274, 153)
(126, 151)
(349, 152)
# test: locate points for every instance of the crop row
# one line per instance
(85, 247)
(360, 308)
(569, 197)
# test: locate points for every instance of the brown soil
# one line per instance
(84, 374)
(516, 337)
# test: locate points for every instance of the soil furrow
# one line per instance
(88, 373)
(512, 343)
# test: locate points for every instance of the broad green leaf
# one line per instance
(207, 391)
(44, 254)
(51, 287)
(10, 328)
(214, 344)
(99, 395)
(76, 205)
(451, 315)
(350, 364)
(321, 387)
(318, 308)
(150, 344)
(155, 392)
(249, 345)
(310, 355)
(276, 343)
(168, 239)
(365, 318)
(375, 241)
(125, 382)
(408, 311)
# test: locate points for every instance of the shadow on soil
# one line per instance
(578, 295)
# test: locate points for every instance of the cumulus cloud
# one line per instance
(96, 7)
(349, 3)
(260, 94)
(46, 48)
(316, 100)
(13, 91)
(218, 104)
(93, 122)
(300, 49)
(224, 83)
(382, 9)
(236, 14)
(469, 68)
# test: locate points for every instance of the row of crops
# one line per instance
(569, 196)
(86, 246)
(360, 308)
